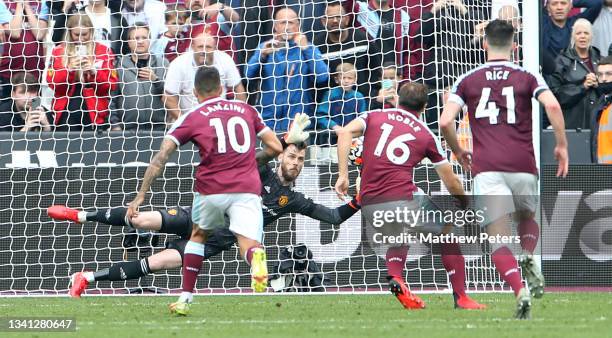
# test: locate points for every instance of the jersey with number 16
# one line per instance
(225, 133)
(395, 142)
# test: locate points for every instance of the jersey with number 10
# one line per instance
(225, 133)
(498, 98)
(395, 142)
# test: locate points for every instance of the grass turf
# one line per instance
(346, 316)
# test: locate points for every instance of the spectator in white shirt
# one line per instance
(602, 29)
(179, 84)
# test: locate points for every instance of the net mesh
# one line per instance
(85, 137)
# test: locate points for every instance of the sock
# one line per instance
(454, 263)
(505, 263)
(90, 276)
(396, 261)
(529, 232)
(114, 216)
(124, 271)
(192, 263)
(249, 254)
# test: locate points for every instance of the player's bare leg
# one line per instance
(163, 260)
(255, 255)
(146, 220)
(396, 261)
(507, 267)
(529, 232)
(192, 263)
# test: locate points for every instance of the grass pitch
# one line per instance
(346, 316)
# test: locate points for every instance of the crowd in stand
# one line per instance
(129, 64)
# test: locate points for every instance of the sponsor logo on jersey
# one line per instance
(283, 200)
(172, 212)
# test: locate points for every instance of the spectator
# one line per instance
(447, 29)
(22, 110)
(150, 12)
(137, 103)
(216, 18)
(179, 82)
(574, 82)
(602, 29)
(256, 27)
(167, 45)
(508, 13)
(82, 76)
(109, 28)
(24, 50)
(340, 105)
(556, 27)
(388, 27)
(289, 67)
(601, 122)
(343, 44)
(387, 96)
(5, 19)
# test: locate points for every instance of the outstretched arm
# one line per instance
(155, 168)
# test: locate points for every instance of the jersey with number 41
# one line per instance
(225, 133)
(395, 141)
(498, 99)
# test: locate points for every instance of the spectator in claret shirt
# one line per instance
(167, 45)
(556, 27)
(24, 50)
(82, 77)
(574, 81)
(216, 18)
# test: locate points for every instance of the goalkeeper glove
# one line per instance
(296, 133)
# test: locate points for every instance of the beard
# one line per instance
(289, 175)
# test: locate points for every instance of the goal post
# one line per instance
(101, 169)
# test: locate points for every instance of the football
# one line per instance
(355, 152)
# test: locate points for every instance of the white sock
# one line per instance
(82, 216)
(186, 297)
(89, 276)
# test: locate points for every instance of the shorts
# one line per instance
(243, 210)
(503, 193)
(177, 221)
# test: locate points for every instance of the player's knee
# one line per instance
(198, 235)
(524, 215)
(167, 259)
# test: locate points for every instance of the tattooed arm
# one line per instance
(155, 168)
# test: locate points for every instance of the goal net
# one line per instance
(92, 168)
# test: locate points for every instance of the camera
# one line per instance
(142, 63)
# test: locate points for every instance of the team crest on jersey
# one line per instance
(283, 200)
(172, 212)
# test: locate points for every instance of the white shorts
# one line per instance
(244, 212)
(503, 193)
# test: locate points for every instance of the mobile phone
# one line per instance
(35, 104)
(81, 50)
(142, 63)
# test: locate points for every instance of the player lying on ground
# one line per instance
(498, 98)
(278, 197)
(395, 142)
(227, 182)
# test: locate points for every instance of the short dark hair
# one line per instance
(605, 61)
(137, 25)
(499, 33)
(207, 80)
(27, 80)
(300, 145)
(413, 96)
(334, 3)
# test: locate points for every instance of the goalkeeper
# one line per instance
(278, 199)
